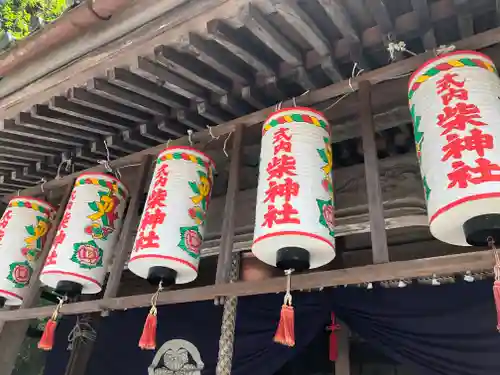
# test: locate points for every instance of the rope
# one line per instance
(82, 331)
(226, 341)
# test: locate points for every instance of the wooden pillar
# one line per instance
(82, 351)
(13, 333)
(343, 363)
(227, 237)
(373, 190)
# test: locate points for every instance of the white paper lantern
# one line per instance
(294, 221)
(455, 105)
(23, 230)
(87, 234)
(171, 230)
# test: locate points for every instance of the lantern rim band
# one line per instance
(449, 206)
(433, 60)
(77, 275)
(294, 233)
(166, 257)
(319, 113)
(99, 174)
(11, 294)
(187, 148)
(37, 200)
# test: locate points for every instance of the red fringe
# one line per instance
(148, 337)
(285, 334)
(334, 348)
(496, 294)
(47, 340)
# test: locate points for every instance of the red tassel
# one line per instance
(47, 340)
(334, 349)
(148, 337)
(285, 334)
(496, 294)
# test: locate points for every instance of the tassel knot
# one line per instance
(148, 337)
(285, 334)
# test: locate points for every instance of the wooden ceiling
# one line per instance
(259, 54)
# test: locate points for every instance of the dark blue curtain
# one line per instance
(445, 330)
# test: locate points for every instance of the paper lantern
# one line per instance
(294, 221)
(455, 105)
(170, 233)
(87, 234)
(23, 230)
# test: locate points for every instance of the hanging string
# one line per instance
(82, 330)
(285, 334)
(67, 164)
(211, 133)
(356, 72)
(190, 136)
(148, 337)
(225, 144)
(444, 49)
(43, 181)
(496, 271)
(47, 341)
(394, 47)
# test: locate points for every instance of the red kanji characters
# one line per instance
(286, 190)
(2, 233)
(458, 117)
(156, 199)
(59, 238)
(161, 176)
(65, 220)
(282, 141)
(148, 241)
(451, 88)
(51, 258)
(464, 174)
(477, 141)
(286, 215)
(5, 219)
(280, 166)
(152, 219)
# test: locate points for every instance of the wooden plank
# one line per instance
(465, 19)
(373, 189)
(381, 15)
(473, 261)
(12, 127)
(424, 17)
(12, 333)
(343, 362)
(125, 240)
(228, 220)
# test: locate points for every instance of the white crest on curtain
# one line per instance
(177, 357)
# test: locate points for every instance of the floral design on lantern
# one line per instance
(34, 242)
(103, 220)
(327, 157)
(197, 214)
(202, 190)
(20, 273)
(87, 255)
(327, 215)
(190, 241)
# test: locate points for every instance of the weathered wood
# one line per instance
(343, 362)
(12, 333)
(373, 188)
(228, 219)
(123, 246)
(424, 17)
(82, 351)
(474, 261)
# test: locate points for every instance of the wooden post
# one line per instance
(13, 333)
(343, 363)
(227, 237)
(122, 248)
(373, 189)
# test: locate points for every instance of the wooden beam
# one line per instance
(125, 240)
(474, 261)
(381, 15)
(12, 333)
(424, 17)
(465, 19)
(12, 127)
(373, 189)
(228, 219)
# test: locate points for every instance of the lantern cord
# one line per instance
(400, 46)
(43, 181)
(285, 334)
(294, 99)
(356, 71)
(496, 284)
(47, 340)
(225, 144)
(211, 133)
(190, 136)
(441, 50)
(67, 166)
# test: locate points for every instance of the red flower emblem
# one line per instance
(192, 240)
(88, 255)
(329, 215)
(21, 274)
